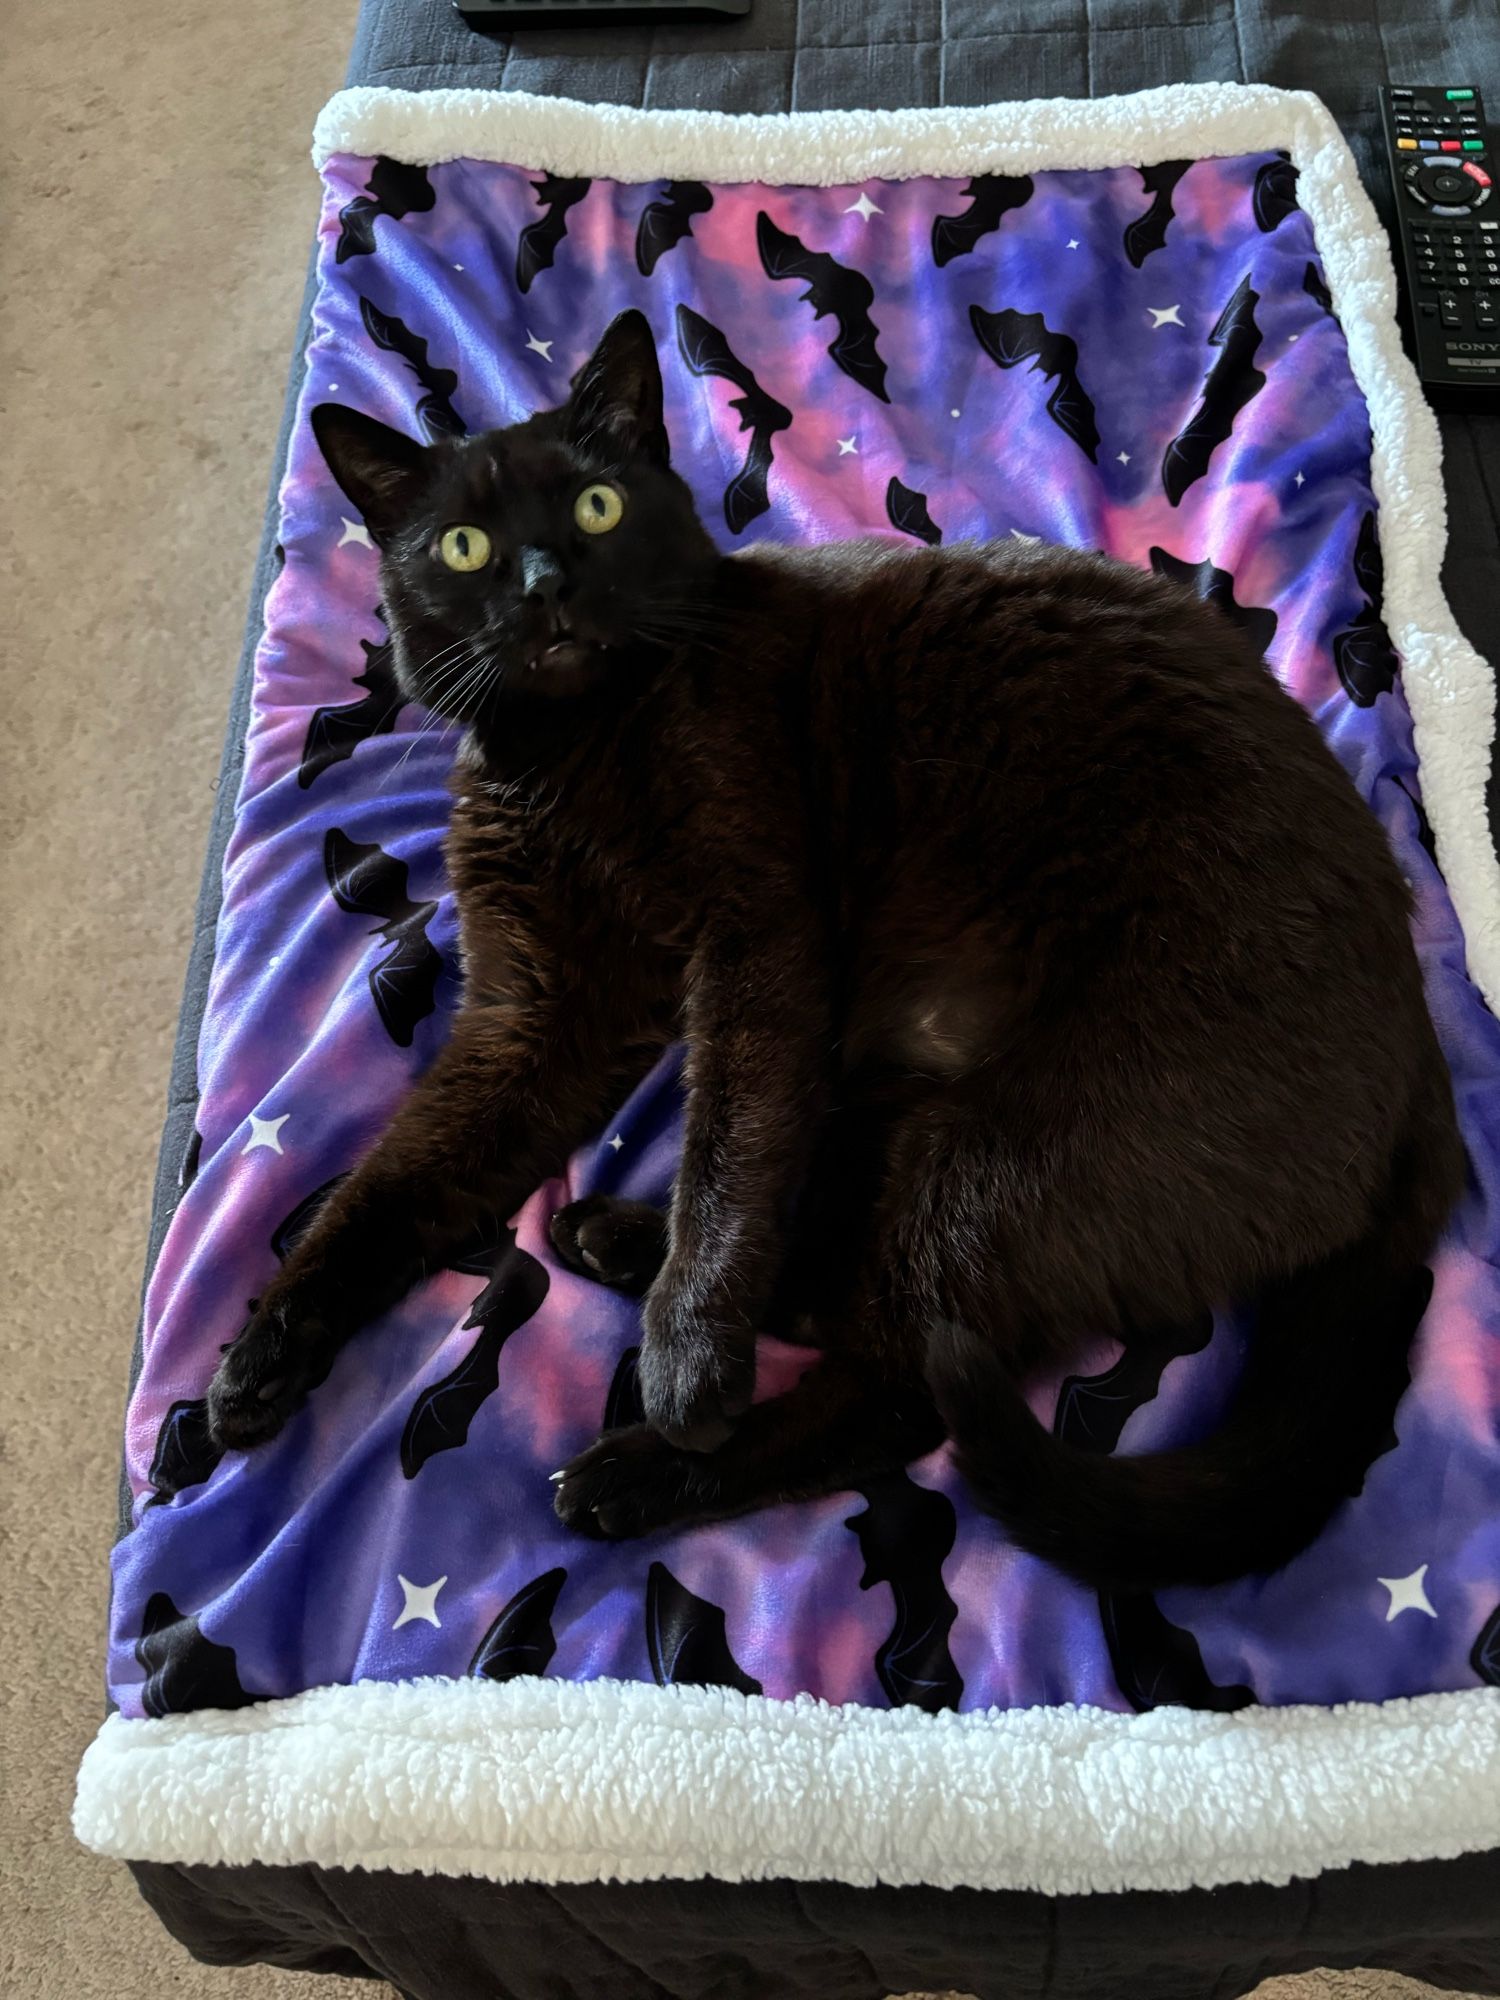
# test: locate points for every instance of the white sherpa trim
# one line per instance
(547, 1781)
(555, 1781)
(1448, 687)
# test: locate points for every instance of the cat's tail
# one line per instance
(1328, 1365)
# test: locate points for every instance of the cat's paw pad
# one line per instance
(265, 1375)
(618, 1243)
(627, 1483)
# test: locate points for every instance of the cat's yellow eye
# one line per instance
(464, 549)
(598, 509)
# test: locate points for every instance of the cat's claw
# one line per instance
(628, 1483)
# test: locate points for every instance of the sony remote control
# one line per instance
(1443, 166)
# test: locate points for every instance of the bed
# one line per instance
(444, 1930)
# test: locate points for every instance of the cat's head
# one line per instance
(539, 561)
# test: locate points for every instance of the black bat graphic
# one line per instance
(1485, 1658)
(686, 1640)
(187, 1173)
(707, 352)
(521, 1640)
(831, 288)
(1092, 1409)
(336, 733)
(1229, 386)
(537, 244)
(1425, 836)
(393, 189)
(185, 1669)
(435, 412)
(185, 1454)
(368, 882)
(1362, 652)
(1397, 1358)
(441, 1415)
(294, 1225)
(905, 1534)
(907, 510)
(1009, 337)
(1314, 285)
(1149, 231)
(665, 221)
(991, 197)
(1216, 587)
(1156, 1663)
(1275, 196)
(623, 1406)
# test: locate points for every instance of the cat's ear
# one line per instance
(382, 471)
(617, 391)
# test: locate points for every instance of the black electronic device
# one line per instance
(1448, 215)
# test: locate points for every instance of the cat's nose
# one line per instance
(543, 578)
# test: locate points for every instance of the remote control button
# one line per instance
(1451, 315)
(1473, 145)
(1484, 314)
(1407, 145)
(1401, 90)
(1476, 173)
(1427, 145)
(1448, 145)
(1457, 96)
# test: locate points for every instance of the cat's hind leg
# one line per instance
(842, 1424)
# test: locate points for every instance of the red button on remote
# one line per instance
(1476, 173)
(1449, 146)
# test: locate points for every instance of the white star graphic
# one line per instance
(1123, 457)
(846, 445)
(1072, 242)
(1294, 336)
(1164, 316)
(542, 347)
(953, 413)
(458, 267)
(864, 208)
(1407, 1594)
(616, 1143)
(1299, 482)
(333, 388)
(264, 1132)
(421, 1602)
(355, 531)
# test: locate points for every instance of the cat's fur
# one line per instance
(1042, 975)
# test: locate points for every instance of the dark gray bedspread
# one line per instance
(445, 1940)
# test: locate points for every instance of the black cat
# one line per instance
(1041, 972)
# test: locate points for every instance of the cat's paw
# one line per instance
(618, 1243)
(696, 1374)
(628, 1483)
(283, 1352)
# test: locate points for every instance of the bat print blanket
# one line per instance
(1160, 326)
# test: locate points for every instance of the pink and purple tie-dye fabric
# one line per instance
(1142, 362)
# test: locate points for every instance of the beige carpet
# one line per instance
(157, 209)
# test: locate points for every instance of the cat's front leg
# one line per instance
(493, 1116)
(758, 1073)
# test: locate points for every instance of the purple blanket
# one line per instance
(1142, 361)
